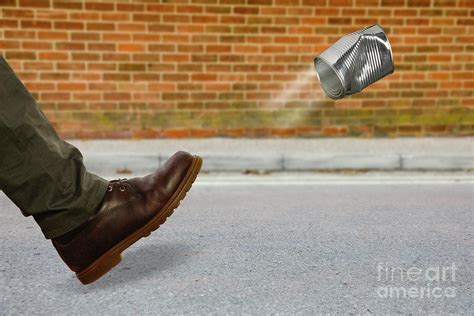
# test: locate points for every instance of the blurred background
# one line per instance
(237, 68)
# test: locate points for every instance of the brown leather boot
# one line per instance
(131, 209)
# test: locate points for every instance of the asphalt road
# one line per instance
(269, 246)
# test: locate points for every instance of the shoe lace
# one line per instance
(120, 182)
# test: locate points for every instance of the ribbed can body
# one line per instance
(354, 62)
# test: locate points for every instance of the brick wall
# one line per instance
(227, 67)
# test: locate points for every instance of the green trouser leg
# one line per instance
(43, 175)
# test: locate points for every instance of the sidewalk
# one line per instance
(227, 154)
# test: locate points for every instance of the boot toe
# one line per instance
(171, 174)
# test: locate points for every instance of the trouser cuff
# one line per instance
(69, 222)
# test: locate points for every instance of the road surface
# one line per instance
(290, 244)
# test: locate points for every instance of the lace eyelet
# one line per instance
(122, 189)
(110, 188)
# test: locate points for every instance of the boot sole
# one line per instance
(114, 255)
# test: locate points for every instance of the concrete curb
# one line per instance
(220, 154)
(144, 163)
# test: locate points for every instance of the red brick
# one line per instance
(117, 57)
(204, 77)
(115, 16)
(131, 47)
(206, 63)
(10, 44)
(18, 13)
(70, 46)
(246, 10)
(71, 86)
(130, 7)
(203, 133)
(175, 38)
(68, 4)
(218, 9)
(86, 36)
(52, 15)
(115, 37)
(22, 55)
(96, 26)
(53, 56)
(148, 133)
(40, 86)
(45, 35)
(162, 86)
(35, 24)
(233, 132)
(218, 48)
(85, 96)
(161, 8)
(171, 96)
(85, 56)
(84, 15)
(116, 96)
(101, 46)
(176, 18)
(334, 130)
(8, 3)
(51, 96)
(35, 3)
(393, 2)
(18, 35)
(283, 132)
(67, 25)
(104, 86)
(131, 27)
(141, 17)
(100, 6)
(59, 76)
(176, 133)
